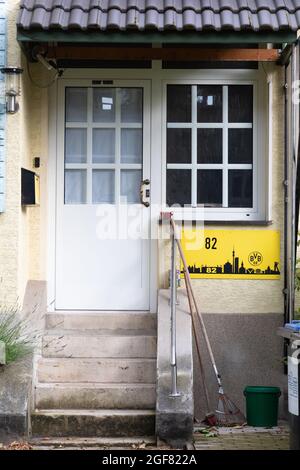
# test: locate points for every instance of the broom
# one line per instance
(210, 417)
(227, 413)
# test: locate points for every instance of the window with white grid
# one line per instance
(103, 145)
(210, 147)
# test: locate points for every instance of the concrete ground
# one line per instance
(230, 438)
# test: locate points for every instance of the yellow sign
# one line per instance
(232, 254)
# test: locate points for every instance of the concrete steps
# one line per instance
(99, 343)
(100, 423)
(95, 396)
(96, 377)
(106, 370)
(69, 320)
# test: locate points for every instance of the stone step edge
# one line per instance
(96, 413)
(102, 332)
(108, 361)
(95, 385)
(101, 312)
(92, 442)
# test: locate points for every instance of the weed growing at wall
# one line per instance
(15, 333)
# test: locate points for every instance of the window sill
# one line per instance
(246, 223)
(262, 223)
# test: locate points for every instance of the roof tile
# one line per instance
(198, 15)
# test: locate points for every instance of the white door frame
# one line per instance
(55, 107)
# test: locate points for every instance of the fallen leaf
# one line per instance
(15, 445)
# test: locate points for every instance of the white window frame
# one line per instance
(260, 121)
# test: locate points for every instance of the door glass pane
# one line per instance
(75, 186)
(209, 187)
(179, 103)
(179, 187)
(104, 104)
(103, 145)
(240, 103)
(179, 143)
(209, 103)
(131, 105)
(131, 145)
(240, 188)
(131, 186)
(240, 146)
(103, 186)
(76, 104)
(209, 146)
(76, 145)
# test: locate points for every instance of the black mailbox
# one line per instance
(30, 188)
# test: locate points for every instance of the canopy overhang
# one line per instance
(137, 37)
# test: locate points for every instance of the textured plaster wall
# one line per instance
(248, 296)
(21, 239)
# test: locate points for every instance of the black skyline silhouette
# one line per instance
(234, 268)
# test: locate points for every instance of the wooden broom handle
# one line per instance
(189, 284)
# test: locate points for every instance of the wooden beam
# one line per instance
(167, 54)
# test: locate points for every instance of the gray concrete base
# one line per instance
(15, 392)
(16, 378)
(174, 415)
(248, 352)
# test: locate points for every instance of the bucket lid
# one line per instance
(260, 389)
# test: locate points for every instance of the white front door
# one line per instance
(102, 226)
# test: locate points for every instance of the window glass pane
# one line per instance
(76, 104)
(104, 104)
(240, 146)
(209, 146)
(179, 145)
(131, 145)
(209, 187)
(240, 188)
(209, 103)
(76, 145)
(179, 103)
(131, 104)
(240, 103)
(103, 145)
(131, 186)
(179, 187)
(103, 186)
(75, 186)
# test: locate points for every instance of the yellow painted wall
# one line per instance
(21, 233)
(248, 296)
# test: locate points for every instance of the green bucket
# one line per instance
(262, 406)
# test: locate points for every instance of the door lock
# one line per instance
(145, 192)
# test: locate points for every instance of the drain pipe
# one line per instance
(285, 182)
(289, 191)
(292, 160)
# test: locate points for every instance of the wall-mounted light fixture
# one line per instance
(12, 87)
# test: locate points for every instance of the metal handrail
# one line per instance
(192, 303)
(173, 301)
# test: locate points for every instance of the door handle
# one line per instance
(145, 192)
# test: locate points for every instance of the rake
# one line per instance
(227, 413)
